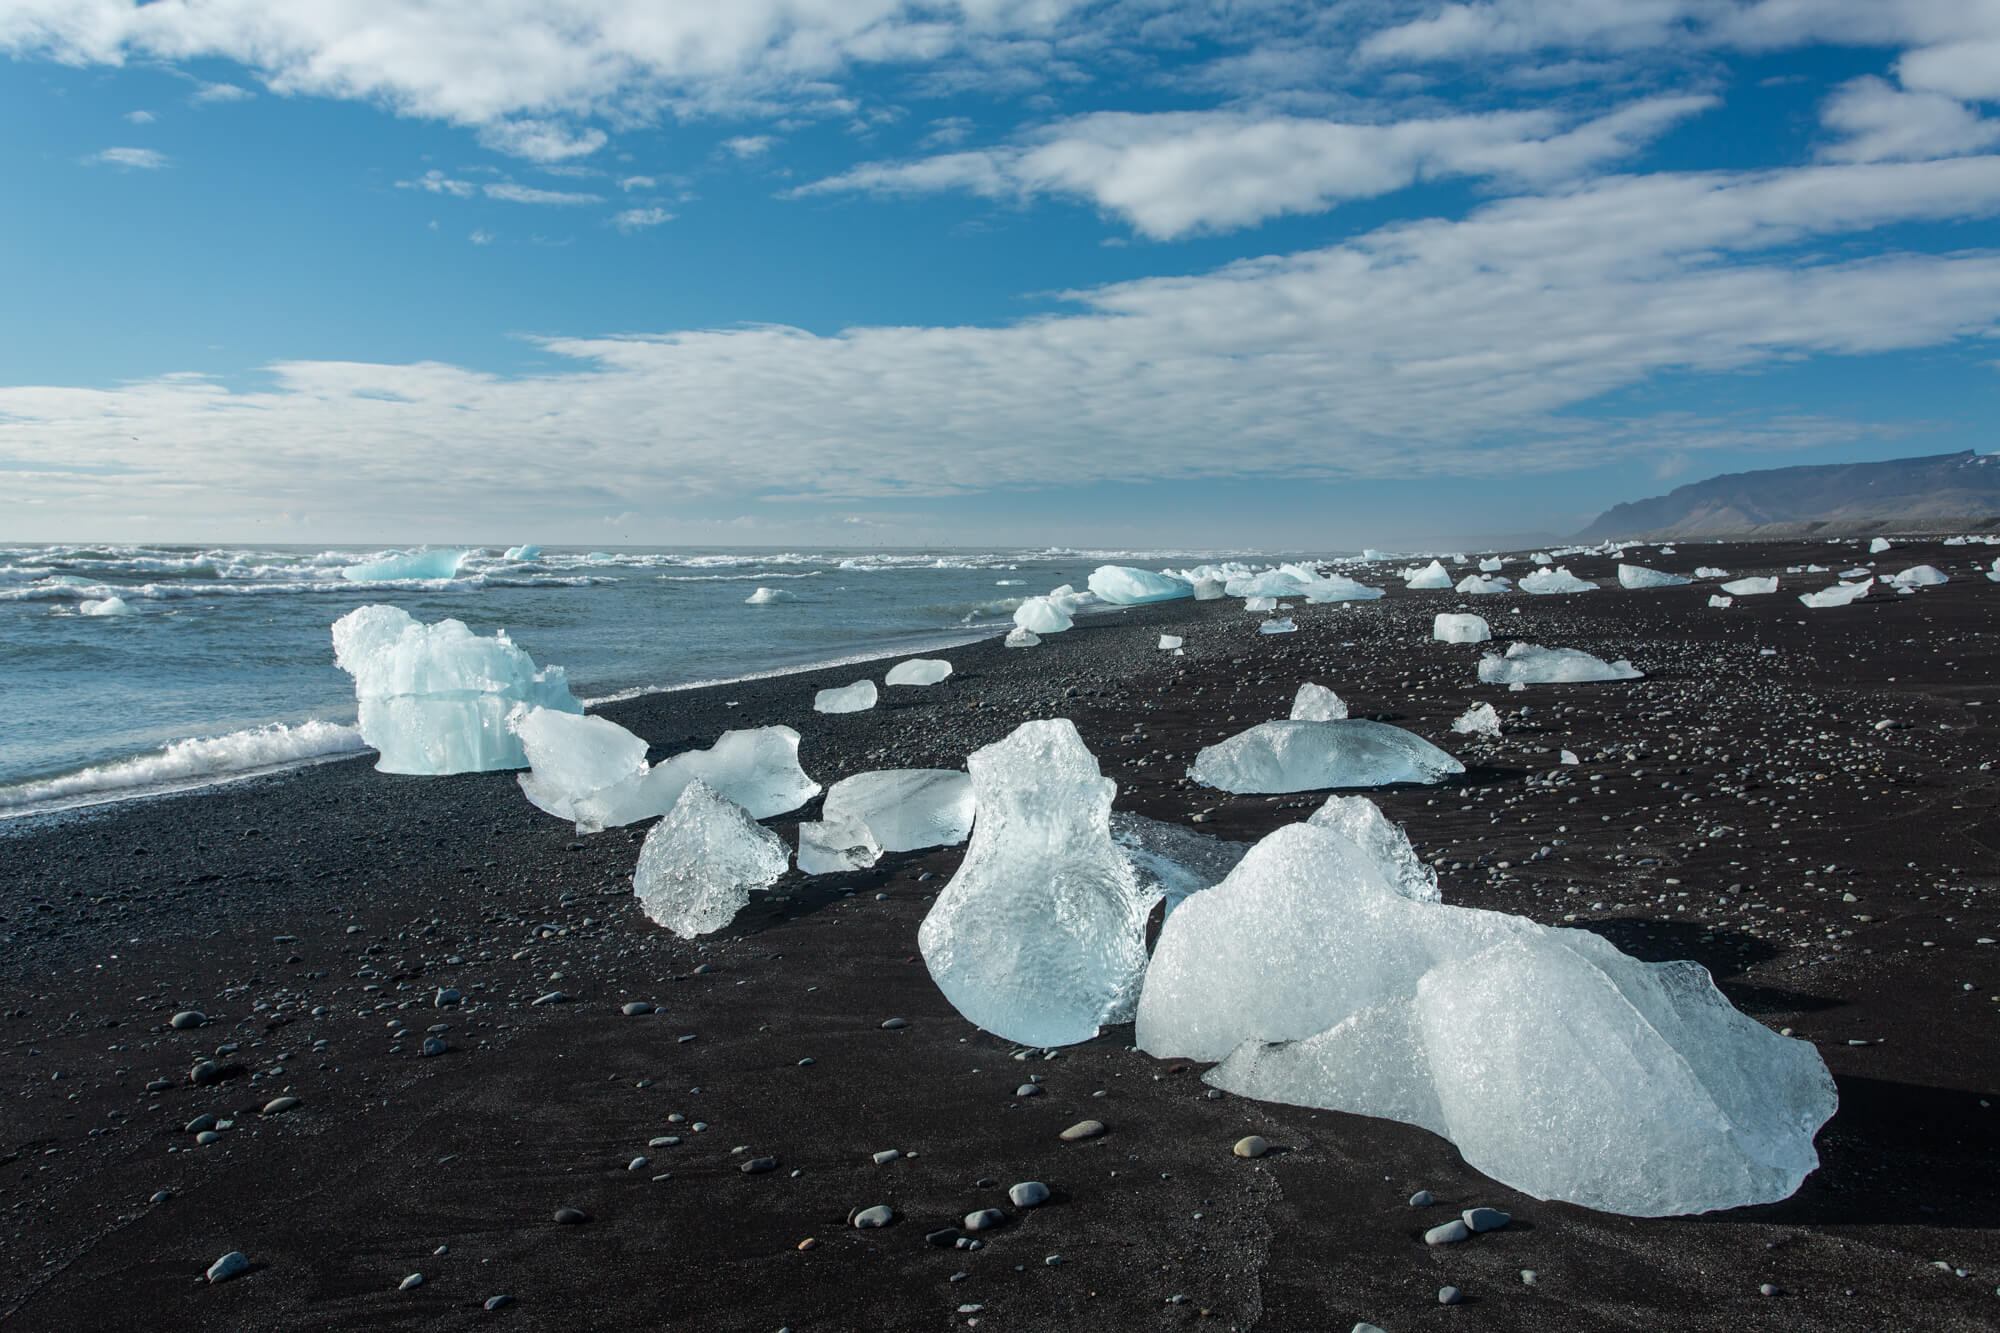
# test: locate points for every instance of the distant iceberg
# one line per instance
(439, 564)
(1129, 587)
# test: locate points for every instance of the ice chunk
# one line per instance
(1021, 638)
(1276, 627)
(574, 756)
(1316, 703)
(918, 671)
(1208, 590)
(1879, 545)
(1530, 664)
(758, 768)
(1173, 862)
(1129, 587)
(1271, 583)
(1449, 628)
(1260, 603)
(1721, 602)
(1478, 720)
(856, 698)
(528, 552)
(1920, 576)
(1567, 756)
(1361, 822)
(1336, 588)
(1042, 615)
(768, 597)
(1480, 585)
(1710, 572)
(1168, 642)
(1751, 587)
(1040, 936)
(440, 564)
(699, 864)
(1559, 579)
(905, 808)
(1638, 576)
(435, 698)
(1542, 558)
(835, 846)
(1840, 594)
(1311, 756)
(1492, 565)
(1433, 575)
(103, 606)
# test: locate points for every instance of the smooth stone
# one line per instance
(1083, 1129)
(1421, 1199)
(881, 1215)
(1485, 1219)
(984, 1220)
(944, 1238)
(634, 1008)
(1029, 1193)
(435, 1046)
(553, 997)
(188, 1018)
(1367, 1328)
(204, 1073)
(205, 1120)
(887, 1155)
(413, 1280)
(1027, 1090)
(893, 1023)
(1450, 1233)
(160, 1085)
(1251, 1146)
(206, 1137)
(571, 1217)
(446, 998)
(228, 1266)
(757, 1166)
(664, 1141)
(1768, 1289)
(1450, 1295)
(637, 1164)
(497, 1302)
(279, 1105)
(161, 1196)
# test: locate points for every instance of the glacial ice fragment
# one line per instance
(1173, 862)
(1710, 572)
(1169, 642)
(757, 767)
(1464, 628)
(1479, 720)
(1920, 576)
(1336, 588)
(1840, 594)
(1751, 587)
(768, 597)
(1721, 602)
(1208, 590)
(1530, 664)
(1281, 626)
(1557, 580)
(1040, 936)
(573, 756)
(1316, 703)
(440, 564)
(1042, 615)
(1018, 637)
(103, 606)
(435, 698)
(856, 698)
(1260, 603)
(1482, 585)
(1433, 575)
(904, 809)
(1879, 545)
(1129, 587)
(698, 865)
(1638, 576)
(835, 846)
(1289, 756)
(1492, 565)
(1270, 583)
(1361, 822)
(918, 671)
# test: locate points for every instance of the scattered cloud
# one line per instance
(481, 236)
(1880, 123)
(637, 219)
(630, 183)
(210, 93)
(528, 194)
(437, 182)
(142, 159)
(141, 117)
(540, 140)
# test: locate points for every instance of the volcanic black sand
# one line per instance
(1740, 806)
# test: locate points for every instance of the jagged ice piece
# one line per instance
(1274, 757)
(699, 864)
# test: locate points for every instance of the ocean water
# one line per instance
(224, 664)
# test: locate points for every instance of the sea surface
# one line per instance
(222, 665)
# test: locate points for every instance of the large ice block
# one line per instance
(1337, 588)
(573, 756)
(905, 808)
(1840, 594)
(1638, 576)
(1290, 756)
(1129, 587)
(1042, 615)
(1433, 575)
(835, 846)
(1465, 628)
(1557, 580)
(1483, 585)
(1920, 576)
(1316, 703)
(758, 768)
(856, 698)
(1361, 822)
(698, 865)
(1751, 587)
(1040, 936)
(1531, 664)
(918, 671)
(440, 564)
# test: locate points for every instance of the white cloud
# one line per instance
(481, 236)
(630, 183)
(1174, 173)
(540, 140)
(210, 93)
(144, 159)
(746, 146)
(438, 183)
(141, 117)
(1881, 123)
(528, 194)
(635, 219)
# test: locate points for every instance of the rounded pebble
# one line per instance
(637, 1164)
(413, 1280)
(188, 1018)
(204, 1073)
(881, 1215)
(206, 1137)
(435, 1046)
(1450, 1295)
(1421, 1199)
(1768, 1289)
(571, 1217)
(279, 1105)
(1029, 1194)
(757, 1166)
(634, 1008)
(1450, 1233)
(1365, 1327)
(446, 997)
(205, 1120)
(886, 1156)
(228, 1266)
(496, 1302)
(944, 1238)
(1083, 1129)
(1252, 1145)
(1027, 1090)
(984, 1220)
(1485, 1219)
(893, 1023)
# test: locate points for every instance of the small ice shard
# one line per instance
(1840, 594)
(441, 564)
(757, 767)
(1638, 576)
(768, 597)
(1040, 936)
(527, 552)
(1530, 664)
(1042, 615)
(1492, 565)
(918, 671)
(1260, 603)
(1721, 602)
(1751, 587)
(698, 865)
(1542, 558)
(1482, 585)
(1173, 862)
(1316, 703)
(1462, 628)
(103, 606)
(904, 809)
(1557, 580)
(1879, 545)
(574, 756)
(856, 698)
(1920, 576)
(1018, 637)
(435, 698)
(1361, 822)
(1276, 627)
(1208, 590)
(1994, 573)
(1710, 572)
(1478, 720)
(1129, 587)
(1433, 575)
(835, 846)
(1168, 642)
(1567, 756)
(1336, 588)
(1289, 756)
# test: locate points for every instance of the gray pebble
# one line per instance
(1485, 1219)
(881, 1215)
(944, 1238)
(807, 1061)
(665, 1141)
(1251, 1146)
(1365, 1327)
(279, 1105)
(984, 1220)
(635, 1008)
(637, 1164)
(204, 1073)
(757, 1166)
(446, 997)
(571, 1217)
(1083, 1129)
(1768, 1289)
(1421, 1199)
(188, 1018)
(1450, 1295)
(435, 1046)
(228, 1266)
(1027, 1090)
(161, 1196)
(1053, 1261)
(886, 1156)
(1450, 1233)
(895, 1023)
(206, 1137)
(553, 997)
(1029, 1193)
(205, 1120)
(413, 1280)
(496, 1302)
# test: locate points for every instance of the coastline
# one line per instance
(243, 895)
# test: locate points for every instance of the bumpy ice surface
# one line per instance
(1465, 628)
(1337, 588)
(435, 698)
(1316, 703)
(918, 671)
(103, 606)
(416, 565)
(1042, 615)
(573, 756)
(1530, 664)
(1361, 822)
(757, 768)
(1019, 637)
(1482, 585)
(1751, 587)
(1559, 579)
(833, 846)
(1209, 590)
(1638, 576)
(1433, 575)
(699, 864)
(1289, 756)
(905, 808)
(856, 698)
(1282, 626)
(1840, 594)
(1040, 936)
(1173, 862)
(1920, 576)
(1129, 587)
(1478, 720)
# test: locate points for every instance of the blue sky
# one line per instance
(861, 271)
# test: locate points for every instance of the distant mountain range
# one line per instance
(1956, 491)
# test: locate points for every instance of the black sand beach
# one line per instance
(1739, 806)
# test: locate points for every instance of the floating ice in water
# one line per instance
(768, 597)
(1920, 576)
(574, 756)
(1492, 564)
(1336, 588)
(1638, 576)
(1008, 583)
(1479, 585)
(435, 698)
(1559, 579)
(1840, 594)
(1208, 590)
(758, 768)
(440, 564)
(1129, 587)
(1879, 545)
(856, 698)
(1752, 587)
(1170, 641)
(836, 846)
(1316, 703)
(1370, 554)
(1042, 615)
(1463, 628)
(699, 864)
(1721, 602)
(1040, 936)
(103, 606)
(1558, 1065)
(1172, 862)
(1433, 575)
(1276, 627)
(1478, 720)
(1018, 637)
(1361, 822)
(904, 809)
(918, 671)
(1290, 756)
(1710, 572)
(528, 552)
(1530, 664)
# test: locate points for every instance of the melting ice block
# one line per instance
(1920, 576)
(698, 865)
(1478, 720)
(103, 606)
(1335, 588)
(1129, 587)
(1559, 579)
(835, 846)
(856, 698)
(442, 564)
(1449, 628)
(1169, 642)
(574, 756)
(1482, 585)
(1018, 637)
(1290, 756)
(1316, 703)
(768, 597)
(1751, 587)
(1720, 602)
(1638, 576)
(918, 671)
(1879, 545)
(1040, 936)
(1840, 594)
(1433, 575)
(904, 809)
(1042, 615)
(1283, 626)
(1492, 564)
(1209, 590)
(1361, 822)
(758, 768)
(1270, 583)
(435, 698)
(1529, 664)
(1710, 572)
